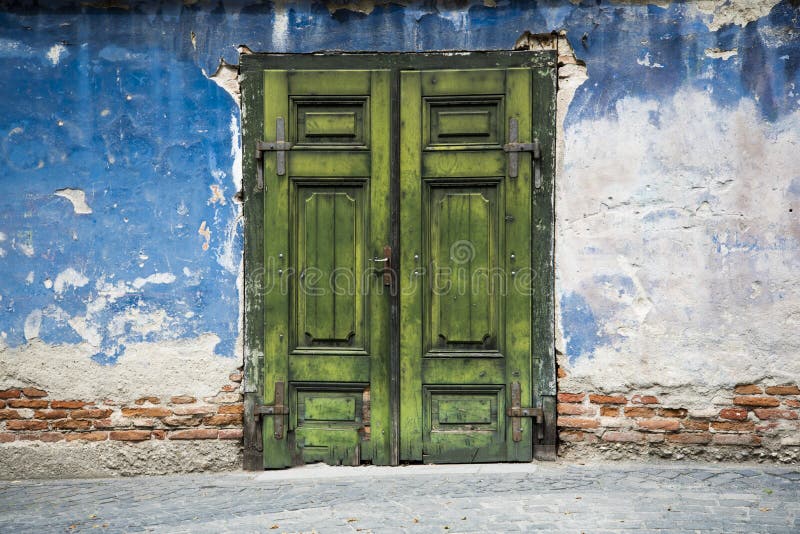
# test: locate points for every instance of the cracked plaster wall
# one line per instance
(120, 232)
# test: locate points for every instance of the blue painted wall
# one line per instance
(116, 102)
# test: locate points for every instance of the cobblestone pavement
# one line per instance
(478, 498)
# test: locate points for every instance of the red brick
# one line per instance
(672, 412)
(235, 377)
(88, 436)
(747, 389)
(223, 420)
(26, 425)
(129, 435)
(10, 394)
(194, 410)
(182, 420)
(151, 400)
(738, 414)
(733, 426)
(48, 437)
(638, 411)
(147, 422)
(70, 404)
(793, 403)
(72, 424)
(644, 399)
(182, 399)
(232, 408)
(145, 412)
(227, 388)
(7, 437)
(756, 401)
(2, 404)
(571, 397)
(9, 414)
(576, 422)
(563, 408)
(654, 438)
(622, 437)
(609, 411)
(736, 439)
(607, 399)
(571, 436)
(561, 373)
(159, 434)
(699, 438)
(660, 424)
(224, 398)
(198, 433)
(95, 413)
(34, 392)
(694, 424)
(105, 423)
(783, 390)
(775, 413)
(50, 414)
(230, 433)
(28, 403)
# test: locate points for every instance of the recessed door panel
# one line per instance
(330, 243)
(463, 234)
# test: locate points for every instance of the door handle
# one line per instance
(386, 260)
(280, 146)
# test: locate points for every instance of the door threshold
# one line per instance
(323, 471)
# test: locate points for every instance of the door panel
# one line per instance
(466, 266)
(326, 312)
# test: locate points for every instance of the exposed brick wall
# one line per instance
(28, 413)
(763, 416)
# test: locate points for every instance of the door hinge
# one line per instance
(278, 410)
(516, 411)
(514, 147)
(279, 146)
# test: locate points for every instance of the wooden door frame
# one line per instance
(542, 231)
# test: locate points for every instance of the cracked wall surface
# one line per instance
(677, 234)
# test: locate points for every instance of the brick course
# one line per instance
(756, 415)
(29, 414)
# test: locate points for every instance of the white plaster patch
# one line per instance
(29, 279)
(724, 55)
(675, 231)
(739, 12)
(78, 199)
(69, 278)
(56, 52)
(156, 278)
(33, 323)
(647, 62)
(177, 367)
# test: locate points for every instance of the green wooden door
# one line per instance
(466, 266)
(438, 358)
(326, 338)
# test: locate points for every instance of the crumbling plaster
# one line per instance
(676, 252)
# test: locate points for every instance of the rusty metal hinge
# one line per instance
(516, 411)
(279, 409)
(514, 147)
(279, 146)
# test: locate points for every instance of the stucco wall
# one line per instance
(678, 187)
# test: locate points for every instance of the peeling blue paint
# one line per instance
(581, 327)
(115, 102)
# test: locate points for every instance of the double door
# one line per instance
(401, 268)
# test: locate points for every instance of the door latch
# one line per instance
(387, 264)
(279, 146)
(278, 410)
(516, 412)
(514, 147)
